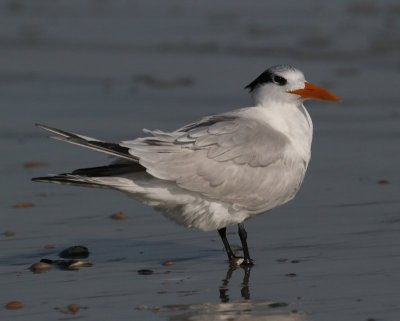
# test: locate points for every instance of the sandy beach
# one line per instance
(108, 69)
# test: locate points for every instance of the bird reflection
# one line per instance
(233, 309)
(245, 288)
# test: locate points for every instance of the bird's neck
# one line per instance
(293, 120)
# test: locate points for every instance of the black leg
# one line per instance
(243, 238)
(222, 233)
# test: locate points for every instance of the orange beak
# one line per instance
(311, 91)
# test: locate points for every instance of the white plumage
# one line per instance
(220, 170)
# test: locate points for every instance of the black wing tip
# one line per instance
(60, 179)
(51, 129)
(50, 177)
(109, 170)
(109, 148)
(48, 128)
(42, 179)
(41, 125)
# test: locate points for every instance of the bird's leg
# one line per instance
(243, 238)
(231, 256)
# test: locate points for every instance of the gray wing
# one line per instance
(224, 157)
(89, 142)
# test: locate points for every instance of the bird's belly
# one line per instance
(186, 208)
(204, 214)
(208, 214)
(260, 193)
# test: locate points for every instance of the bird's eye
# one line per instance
(279, 80)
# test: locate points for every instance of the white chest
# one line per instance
(292, 121)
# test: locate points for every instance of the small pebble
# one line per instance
(295, 261)
(70, 309)
(40, 267)
(14, 305)
(73, 308)
(23, 205)
(382, 182)
(75, 252)
(168, 263)
(35, 164)
(278, 304)
(68, 264)
(282, 260)
(77, 264)
(145, 272)
(119, 216)
(291, 275)
(9, 233)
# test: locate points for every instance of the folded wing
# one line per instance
(224, 157)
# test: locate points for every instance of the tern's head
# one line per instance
(285, 84)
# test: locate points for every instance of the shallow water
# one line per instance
(110, 68)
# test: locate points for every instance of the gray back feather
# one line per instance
(225, 157)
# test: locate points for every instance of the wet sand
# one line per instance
(110, 68)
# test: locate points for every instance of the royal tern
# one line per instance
(220, 170)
